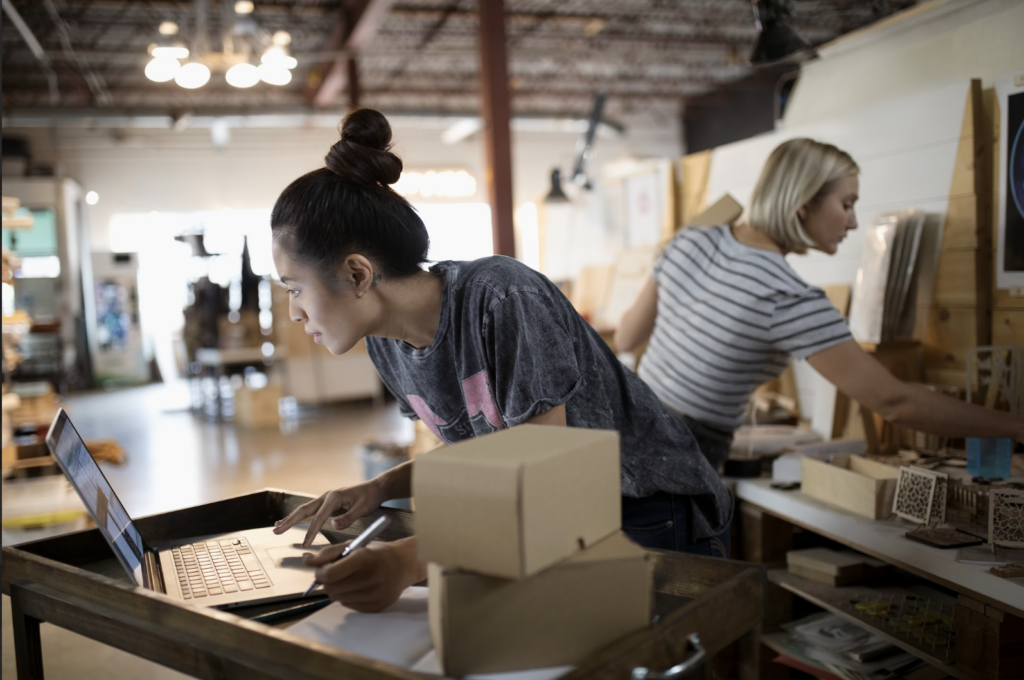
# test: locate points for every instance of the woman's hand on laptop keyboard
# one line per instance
(350, 503)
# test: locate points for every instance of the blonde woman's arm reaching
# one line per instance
(861, 377)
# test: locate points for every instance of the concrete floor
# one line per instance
(175, 459)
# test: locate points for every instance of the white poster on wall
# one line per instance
(643, 210)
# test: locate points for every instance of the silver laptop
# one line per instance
(222, 570)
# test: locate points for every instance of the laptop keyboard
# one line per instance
(218, 567)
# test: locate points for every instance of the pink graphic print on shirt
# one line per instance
(427, 415)
(479, 399)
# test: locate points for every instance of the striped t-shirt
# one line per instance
(729, 318)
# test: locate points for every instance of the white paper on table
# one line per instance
(399, 635)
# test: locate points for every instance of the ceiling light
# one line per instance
(92, 198)
(282, 38)
(162, 69)
(776, 40)
(168, 28)
(192, 75)
(278, 56)
(275, 75)
(242, 75)
(174, 49)
(244, 7)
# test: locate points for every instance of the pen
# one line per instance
(306, 607)
(369, 533)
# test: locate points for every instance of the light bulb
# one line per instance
(244, 7)
(162, 69)
(173, 50)
(192, 75)
(277, 56)
(168, 28)
(275, 75)
(282, 38)
(242, 75)
(92, 198)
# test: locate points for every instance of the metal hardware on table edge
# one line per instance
(679, 670)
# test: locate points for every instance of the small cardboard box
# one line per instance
(258, 407)
(852, 483)
(512, 503)
(481, 624)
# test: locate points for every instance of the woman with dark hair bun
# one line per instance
(468, 348)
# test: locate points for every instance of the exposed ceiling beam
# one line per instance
(674, 55)
(282, 117)
(37, 50)
(353, 32)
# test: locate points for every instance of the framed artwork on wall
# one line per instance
(1010, 182)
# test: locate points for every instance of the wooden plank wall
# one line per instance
(959, 317)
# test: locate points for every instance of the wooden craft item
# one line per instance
(939, 500)
(823, 565)
(943, 538)
(1008, 571)
(1006, 518)
(915, 490)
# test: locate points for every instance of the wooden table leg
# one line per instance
(28, 648)
(748, 653)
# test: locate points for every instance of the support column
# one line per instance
(495, 112)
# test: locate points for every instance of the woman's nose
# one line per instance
(296, 312)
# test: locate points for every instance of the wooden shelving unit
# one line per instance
(921, 640)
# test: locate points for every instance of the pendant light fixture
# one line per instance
(193, 75)
(556, 195)
(242, 75)
(776, 40)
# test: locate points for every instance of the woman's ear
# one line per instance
(801, 214)
(359, 271)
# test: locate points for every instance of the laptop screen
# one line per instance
(84, 474)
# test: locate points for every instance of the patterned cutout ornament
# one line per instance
(938, 510)
(1006, 518)
(915, 490)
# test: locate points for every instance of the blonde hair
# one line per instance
(797, 172)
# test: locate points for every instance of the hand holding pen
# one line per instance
(335, 553)
(371, 578)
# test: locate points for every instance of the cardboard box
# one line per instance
(512, 503)
(258, 408)
(725, 210)
(833, 567)
(827, 566)
(481, 624)
(852, 483)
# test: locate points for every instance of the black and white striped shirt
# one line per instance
(729, 318)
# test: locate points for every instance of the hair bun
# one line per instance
(363, 155)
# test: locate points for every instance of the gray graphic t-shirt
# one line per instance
(510, 346)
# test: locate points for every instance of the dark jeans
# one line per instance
(665, 521)
(713, 442)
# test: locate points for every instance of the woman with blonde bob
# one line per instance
(724, 312)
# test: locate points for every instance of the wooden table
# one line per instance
(74, 582)
(989, 610)
(213, 363)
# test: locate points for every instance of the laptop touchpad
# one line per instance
(290, 556)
